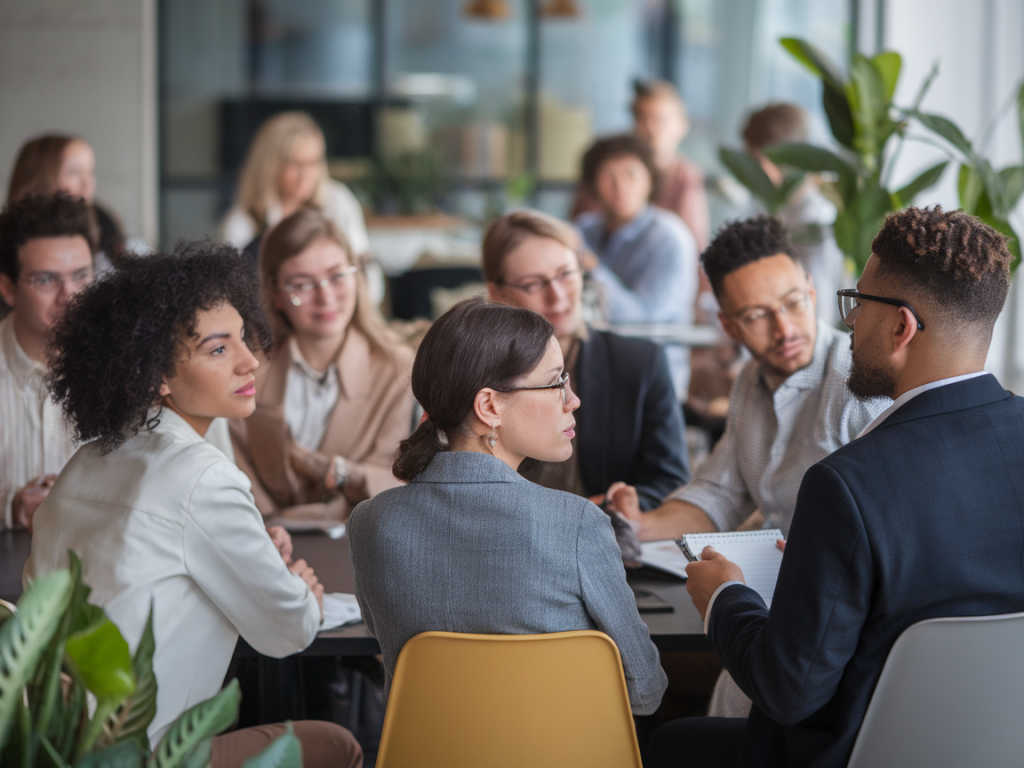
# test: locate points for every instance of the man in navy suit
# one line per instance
(921, 516)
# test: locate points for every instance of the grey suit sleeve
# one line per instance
(609, 602)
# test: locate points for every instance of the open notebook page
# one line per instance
(753, 551)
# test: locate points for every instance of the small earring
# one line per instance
(492, 440)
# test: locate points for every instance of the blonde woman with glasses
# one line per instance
(333, 400)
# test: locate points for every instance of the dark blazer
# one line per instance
(920, 518)
(630, 425)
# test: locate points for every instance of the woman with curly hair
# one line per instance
(333, 401)
(142, 362)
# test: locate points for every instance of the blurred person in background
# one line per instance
(630, 424)
(47, 244)
(286, 169)
(646, 258)
(808, 216)
(63, 163)
(333, 401)
(659, 117)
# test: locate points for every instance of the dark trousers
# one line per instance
(701, 742)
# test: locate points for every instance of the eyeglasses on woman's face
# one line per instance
(537, 286)
(562, 384)
(301, 289)
(850, 304)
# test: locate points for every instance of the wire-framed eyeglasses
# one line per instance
(849, 306)
(562, 384)
(301, 289)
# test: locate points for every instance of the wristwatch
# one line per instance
(337, 475)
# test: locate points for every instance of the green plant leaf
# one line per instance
(83, 615)
(99, 656)
(284, 752)
(1020, 112)
(49, 757)
(839, 114)
(199, 757)
(945, 128)
(808, 157)
(923, 181)
(888, 64)
(203, 721)
(24, 638)
(969, 189)
(71, 722)
(1013, 185)
(130, 722)
(815, 60)
(126, 755)
(791, 182)
(749, 173)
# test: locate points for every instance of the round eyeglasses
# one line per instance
(849, 306)
(562, 384)
(301, 290)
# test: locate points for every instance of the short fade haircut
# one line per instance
(36, 216)
(739, 243)
(951, 259)
(612, 147)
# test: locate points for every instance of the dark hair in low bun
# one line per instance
(473, 345)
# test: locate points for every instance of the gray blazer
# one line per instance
(470, 546)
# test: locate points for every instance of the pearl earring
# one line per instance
(492, 440)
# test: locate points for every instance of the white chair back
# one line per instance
(951, 694)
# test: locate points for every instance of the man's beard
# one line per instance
(868, 381)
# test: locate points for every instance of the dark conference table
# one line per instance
(680, 630)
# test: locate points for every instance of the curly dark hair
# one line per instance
(35, 216)
(611, 147)
(955, 261)
(123, 335)
(739, 243)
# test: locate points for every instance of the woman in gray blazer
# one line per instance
(471, 546)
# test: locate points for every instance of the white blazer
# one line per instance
(167, 518)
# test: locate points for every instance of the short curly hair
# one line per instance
(743, 242)
(35, 216)
(123, 335)
(612, 147)
(956, 261)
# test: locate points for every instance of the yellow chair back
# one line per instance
(509, 701)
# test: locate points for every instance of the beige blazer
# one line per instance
(373, 413)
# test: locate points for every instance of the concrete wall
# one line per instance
(86, 67)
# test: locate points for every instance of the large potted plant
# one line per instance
(864, 122)
(57, 651)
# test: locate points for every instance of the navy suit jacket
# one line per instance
(630, 424)
(920, 518)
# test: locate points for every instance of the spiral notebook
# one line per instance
(753, 551)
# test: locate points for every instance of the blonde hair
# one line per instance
(271, 149)
(37, 168)
(507, 232)
(293, 235)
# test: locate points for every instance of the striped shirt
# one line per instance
(772, 438)
(34, 437)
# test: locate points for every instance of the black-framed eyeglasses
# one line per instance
(562, 384)
(849, 306)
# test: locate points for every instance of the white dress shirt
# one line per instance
(309, 398)
(167, 519)
(34, 437)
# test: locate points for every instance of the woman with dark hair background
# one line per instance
(143, 361)
(521, 559)
(60, 163)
